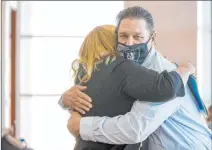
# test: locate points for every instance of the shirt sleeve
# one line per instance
(149, 85)
(133, 127)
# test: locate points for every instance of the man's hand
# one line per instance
(76, 99)
(74, 123)
(187, 67)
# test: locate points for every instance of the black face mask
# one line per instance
(137, 52)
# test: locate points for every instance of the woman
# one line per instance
(114, 83)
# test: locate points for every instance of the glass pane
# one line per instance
(43, 124)
(46, 64)
(66, 17)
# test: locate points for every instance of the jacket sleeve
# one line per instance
(148, 85)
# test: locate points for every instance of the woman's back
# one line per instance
(104, 89)
(107, 98)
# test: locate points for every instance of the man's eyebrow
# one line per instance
(135, 33)
(123, 33)
(138, 33)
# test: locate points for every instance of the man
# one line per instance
(174, 125)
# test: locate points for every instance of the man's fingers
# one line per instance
(81, 88)
(84, 96)
(81, 111)
(84, 102)
(81, 106)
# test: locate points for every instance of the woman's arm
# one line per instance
(148, 85)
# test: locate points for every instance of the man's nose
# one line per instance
(130, 41)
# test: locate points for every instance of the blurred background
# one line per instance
(41, 39)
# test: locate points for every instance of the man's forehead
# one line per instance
(132, 26)
(130, 32)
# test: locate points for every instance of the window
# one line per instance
(71, 18)
(50, 36)
(46, 64)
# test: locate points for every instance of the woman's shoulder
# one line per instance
(130, 64)
(126, 66)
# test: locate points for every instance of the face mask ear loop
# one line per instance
(149, 40)
(150, 37)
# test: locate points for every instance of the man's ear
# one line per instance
(154, 38)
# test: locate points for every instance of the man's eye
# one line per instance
(123, 36)
(139, 37)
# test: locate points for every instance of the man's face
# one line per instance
(133, 31)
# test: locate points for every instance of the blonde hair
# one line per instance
(98, 44)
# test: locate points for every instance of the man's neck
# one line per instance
(148, 59)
